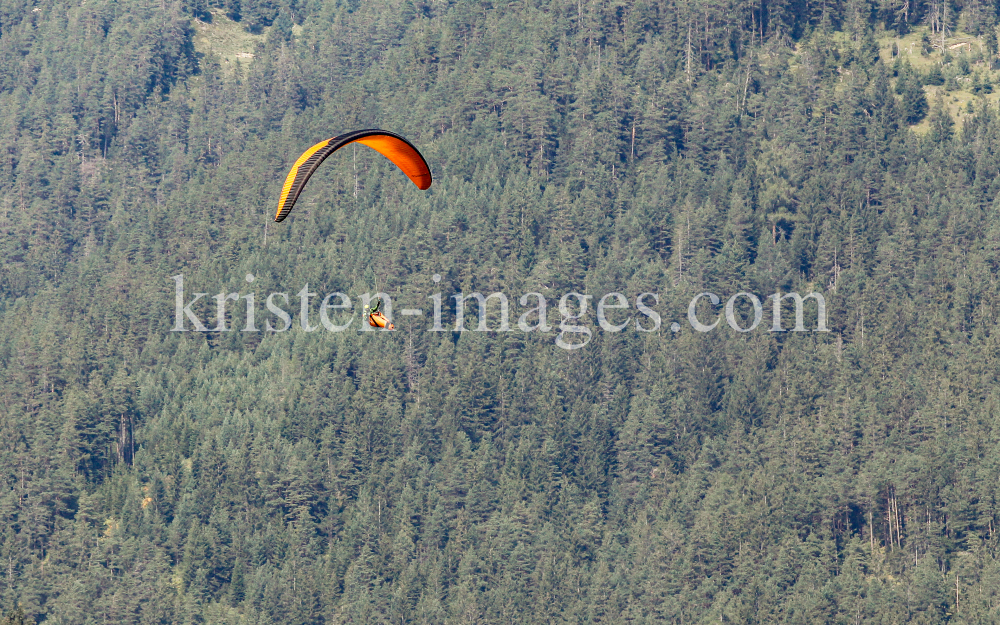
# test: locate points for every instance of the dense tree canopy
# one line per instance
(580, 146)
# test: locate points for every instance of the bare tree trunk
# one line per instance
(688, 68)
(944, 22)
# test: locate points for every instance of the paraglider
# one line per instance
(375, 317)
(390, 145)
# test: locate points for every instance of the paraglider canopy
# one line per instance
(390, 145)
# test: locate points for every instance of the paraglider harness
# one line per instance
(375, 317)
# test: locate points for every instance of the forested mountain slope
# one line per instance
(444, 477)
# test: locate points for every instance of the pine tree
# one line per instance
(914, 100)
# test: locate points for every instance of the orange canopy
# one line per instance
(390, 145)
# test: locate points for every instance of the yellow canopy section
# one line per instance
(390, 145)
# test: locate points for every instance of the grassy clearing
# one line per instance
(957, 46)
(911, 46)
(225, 39)
(955, 102)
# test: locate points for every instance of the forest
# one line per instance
(849, 148)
